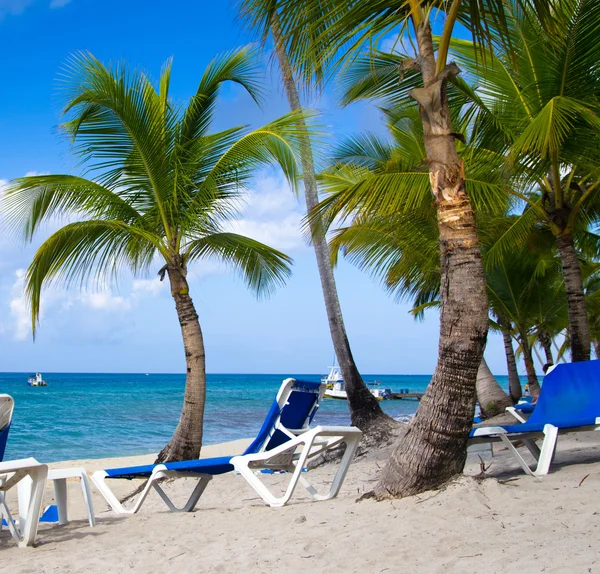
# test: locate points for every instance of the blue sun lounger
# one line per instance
(285, 442)
(569, 402)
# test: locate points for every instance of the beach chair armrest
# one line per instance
(516, 414)
(333, 435)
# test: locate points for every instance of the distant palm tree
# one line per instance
(160, 192)
(365, 411)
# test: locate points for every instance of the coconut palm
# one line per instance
(365, 411)
(539, 102)
(320, 37)
(158, 191)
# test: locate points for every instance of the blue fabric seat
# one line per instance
(569, 401)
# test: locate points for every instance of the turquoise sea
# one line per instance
(82, 415)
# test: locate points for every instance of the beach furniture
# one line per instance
(29, 476)
(285, 442)
(7, 405)
(570, 402)
(59, 478)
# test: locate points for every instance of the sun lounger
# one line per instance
(570, 402)
(30, 477)
(6, 410)
(285, 442)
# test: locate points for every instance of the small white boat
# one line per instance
(37, 381)
(336, 388)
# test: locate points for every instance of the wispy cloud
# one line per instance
(59, 3)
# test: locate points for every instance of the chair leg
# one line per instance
(29, 531)
(201, 485)
(517, 454)
(340, 475)
(87, 497)
(548, 450)
(60, 493)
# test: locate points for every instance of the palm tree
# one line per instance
(159, 190)
(538, 99)
(365, 411)
(320, 37)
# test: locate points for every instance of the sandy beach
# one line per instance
(506, 523)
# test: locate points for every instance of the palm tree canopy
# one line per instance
(324, 35)
(156, 181)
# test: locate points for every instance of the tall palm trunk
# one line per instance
(365, 411)
(187, 439)
(532, 380)
(579, 329)
(434, 448)
(546, 343)
(514, 383)
(492, 399)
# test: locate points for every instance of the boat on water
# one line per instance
(336, 388)
(36, 381)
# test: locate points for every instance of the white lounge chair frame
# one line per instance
(285, 457)
(311, 442)
(544, 455)
(31, 492)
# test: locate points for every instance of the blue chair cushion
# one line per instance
(217, 465)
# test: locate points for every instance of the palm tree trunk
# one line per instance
(492, 399)
(434, 448)
(546, 343)
(532, 380)
(514, 383)
(597, 349)
(365, 412)
(187, 438)
(579, 328)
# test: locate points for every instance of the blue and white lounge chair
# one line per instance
(7, 405)
(569, 402)
(16, 473)
(285, 442)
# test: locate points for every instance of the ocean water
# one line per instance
(83, 415)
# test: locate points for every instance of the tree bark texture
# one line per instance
(532, 380)
(492, 399)
(187, 438)
(514, 383)
(546, 343)
(365, 411)
(579, 329)
(434, 447)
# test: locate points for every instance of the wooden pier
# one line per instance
(406, 396)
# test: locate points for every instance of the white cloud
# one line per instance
(104, 301)
(272, 215)
(147, 286)
(19, 310)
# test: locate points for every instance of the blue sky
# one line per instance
(133, 326)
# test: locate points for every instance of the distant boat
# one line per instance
(36, 381)
(336, 388)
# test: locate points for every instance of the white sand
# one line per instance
(524, 525)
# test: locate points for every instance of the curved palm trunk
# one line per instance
(365, 411)
(187, 438)
(546, 343)
(434, 448)
(514, 383)
(492, 399)
(532, 380)
(579, 328)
